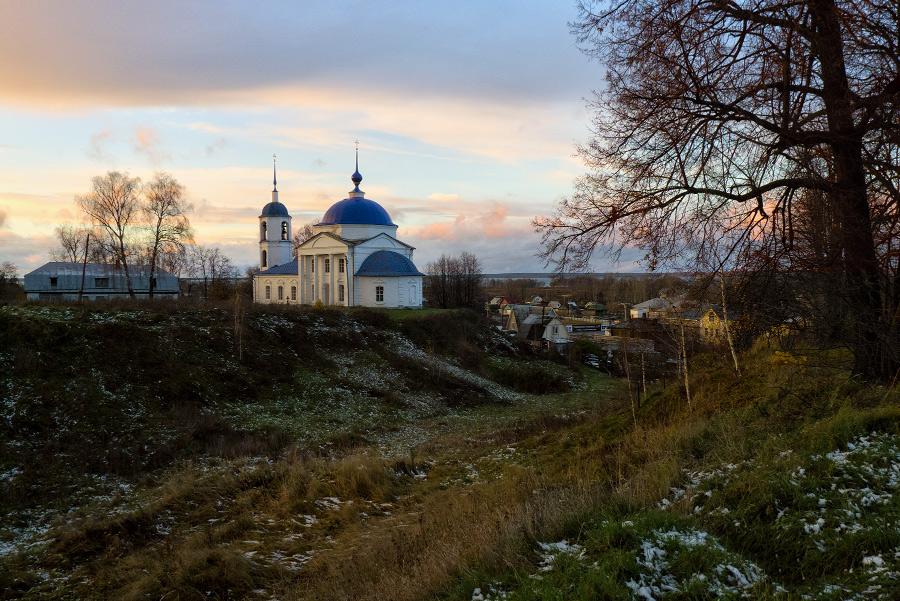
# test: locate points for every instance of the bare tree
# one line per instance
(214, 268)
(304, 233)
(470, 285)
(165, 213)
(438, 285)
(74, 240)
(454, 282)
(113, 205)
(9, 282)
(718, 114)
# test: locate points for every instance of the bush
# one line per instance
(535, 377)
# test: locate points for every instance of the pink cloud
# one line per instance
(99, 141)
(441, 197)
(440, 231)
(493, 223)
(145, 141)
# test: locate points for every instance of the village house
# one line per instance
(91, 281)
(662, 307)
(515, 315)
(538, 329)
(712, 324)
(495, 307)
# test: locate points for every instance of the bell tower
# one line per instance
(274, 230)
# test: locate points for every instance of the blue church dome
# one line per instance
(357, 211)
(387, 263)
(274, 209)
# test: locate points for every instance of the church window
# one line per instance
(341, 293)
(264, 259)
(268, 292)
(293, 293)
(379, 294)
(53, 282)
(312, 265)
(284, 230)
(327, 265)
(262, 231)
(281, 293)
(340, 265)
(101, 282)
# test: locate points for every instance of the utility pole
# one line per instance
(87, 244)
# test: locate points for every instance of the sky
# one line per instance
(467, 115)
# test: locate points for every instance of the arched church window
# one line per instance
(341, 293)
(284, 230)
(327, 265)
(262, 231)
(281, 293)
(264, 259)
(268, 292)
(293, 293)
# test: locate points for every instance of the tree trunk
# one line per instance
(850, 199)
(737, 367)
(628, 377)
(643, 380)
(687, 385)
(125, 268)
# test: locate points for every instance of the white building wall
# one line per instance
(396, 291)
(274, 281)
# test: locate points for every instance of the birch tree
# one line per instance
(165, 212)
(113, 205)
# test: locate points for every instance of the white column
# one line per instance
(351, 299)
(331, 290)
(301, 276)
(318, 295)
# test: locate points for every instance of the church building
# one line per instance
(353, 259)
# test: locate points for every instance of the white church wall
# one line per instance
(366, 290)
(361, 231)
(273, 282)
(396, 291)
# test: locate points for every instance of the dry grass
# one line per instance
(354, 525)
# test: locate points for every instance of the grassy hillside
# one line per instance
(190, 454)
(108, 411)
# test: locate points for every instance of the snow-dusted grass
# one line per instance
(793, 495)
(826, 523)
(628, 553)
